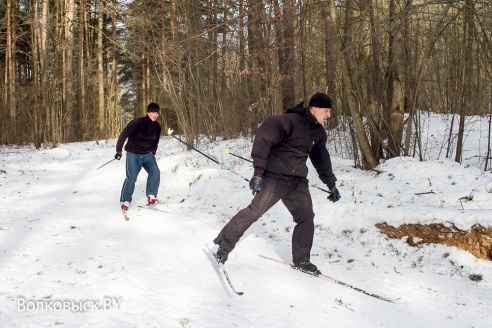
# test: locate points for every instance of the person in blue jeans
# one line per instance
(143, 134)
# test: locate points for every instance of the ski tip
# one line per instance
(125, 215)
(240, 293)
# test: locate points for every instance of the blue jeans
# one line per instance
(134, 163)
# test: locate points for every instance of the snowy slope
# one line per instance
(65, 243)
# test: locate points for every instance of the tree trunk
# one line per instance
(329, 41)
(466, 100)
(396, 82)
(286, 19)
(375, 102)
(68, 71)
(302, 53)
(35, 34)
(351, 95)
(100, 71)
(330, 59)
(259, 54)
(148, 87)
(113, 119)
(10, 73)
(81, 93)
(143, 92)
(426, 53)
(35, 75)
(43, 61)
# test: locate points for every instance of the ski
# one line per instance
(163, 203)
(153, 207)
(224, 272)
(127, 218)
(147, 205)
(326, 277)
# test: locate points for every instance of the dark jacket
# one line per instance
(284, 142)
(143, 136)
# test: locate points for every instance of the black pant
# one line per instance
(295, 195)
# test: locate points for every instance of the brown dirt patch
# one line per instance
(477, 241)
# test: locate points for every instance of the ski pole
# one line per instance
(247, 160)
(315, 186)
(105, 163)
(244, 159)
(170, 131)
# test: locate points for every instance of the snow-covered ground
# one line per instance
(69, 259)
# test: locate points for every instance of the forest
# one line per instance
(78, 70)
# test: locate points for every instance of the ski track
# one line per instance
(64, 238)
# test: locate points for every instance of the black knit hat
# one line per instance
(320, 100)
(153, 108)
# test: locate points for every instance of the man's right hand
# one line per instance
(334, 194)
(117, 156)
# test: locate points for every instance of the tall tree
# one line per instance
(258, 52)
(396, 88)
(81, 89)
(466, 98)
(352, 92)
(46, 117)
(100, 69)
(285, 26)
(10, 72)
(68, 70)
(330, 59)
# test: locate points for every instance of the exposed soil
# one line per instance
(477, 241)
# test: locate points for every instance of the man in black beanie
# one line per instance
(143, 136)
(281, 147)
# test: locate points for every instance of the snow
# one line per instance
(66, 246)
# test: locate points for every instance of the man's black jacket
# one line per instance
(143, 136)
(283, 143)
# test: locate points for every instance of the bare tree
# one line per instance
(218, 67)
(352, 91)
(100, 68)
(10, 72)
(466, 99)
(68, 70)
(81, 88)
(258, 52)
(285, 25)
(396, 87)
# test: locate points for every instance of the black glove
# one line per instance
(334, 194)
(117, 156)
(255, 182)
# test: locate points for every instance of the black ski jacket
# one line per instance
(143, 136)
(283, 143)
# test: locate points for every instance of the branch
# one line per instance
(424, 193)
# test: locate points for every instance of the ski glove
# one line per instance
(117, 156)
(255, 182)
(334, 194)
